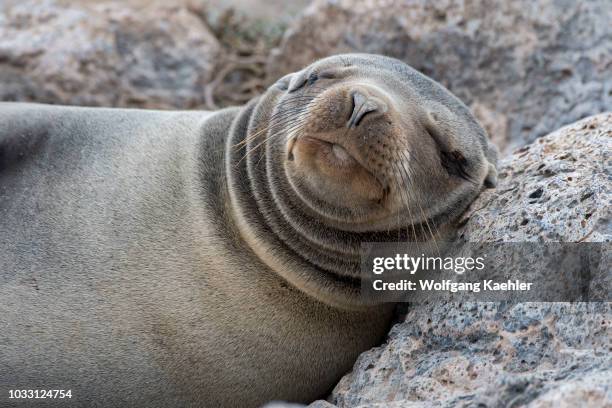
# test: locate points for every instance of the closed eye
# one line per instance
(455, 164)
(453, 161)
(312, 78)
(327, 75)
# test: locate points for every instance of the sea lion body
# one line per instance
(208, 259)
(124, 280)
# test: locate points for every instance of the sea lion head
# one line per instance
(358, 148)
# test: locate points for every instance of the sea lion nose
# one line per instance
(364, 104)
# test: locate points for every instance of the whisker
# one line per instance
(293, 126)
(406, 157)
(406, 201)
(281, 115)
(273, 121)
(256, 147)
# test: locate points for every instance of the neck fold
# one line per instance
(318, 259)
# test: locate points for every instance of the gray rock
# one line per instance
(451, 355)
(104, 54)
(556, 189)
(496, 354)
(525, 68)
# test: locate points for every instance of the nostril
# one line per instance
(362, 105)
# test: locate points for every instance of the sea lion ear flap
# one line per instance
(490, 180)
(293, 81)
(283, 83)
(298, 80)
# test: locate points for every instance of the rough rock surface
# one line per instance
(525, 68)
(555, 189)
(510, 355)
(107, 54)
(487, 355)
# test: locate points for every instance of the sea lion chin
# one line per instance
(332, 173)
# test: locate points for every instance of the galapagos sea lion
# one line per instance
(211, 259)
